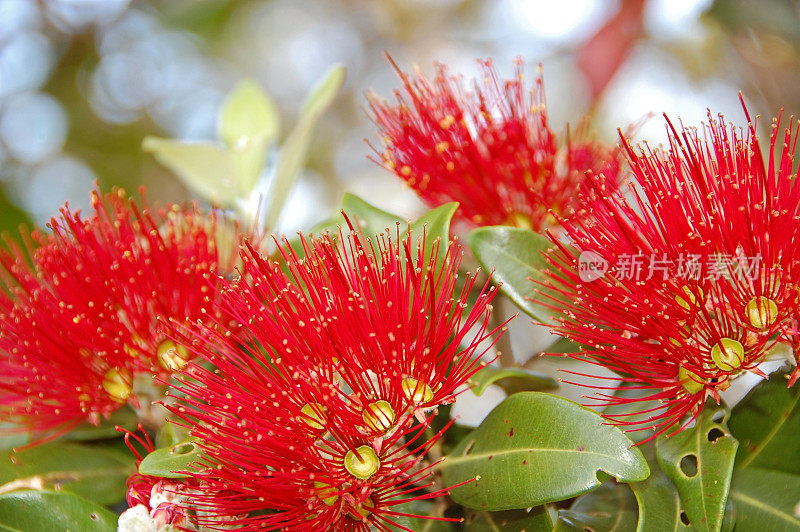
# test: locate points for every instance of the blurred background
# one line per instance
(82, 82)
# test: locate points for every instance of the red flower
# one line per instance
(309, 423)
(702, 270)
(491, 150)
(85, 310)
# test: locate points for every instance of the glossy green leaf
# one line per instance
(205, 168)
(48, 511)
(371, 219)
(90, 471)
(535, 520)
(295, 147)
(516, 257)
(659, 504)
(420, 524)
(631, 411)
(609, 508)
(170, 434)
(248, 116)
(536, 448)
(436, 226)
(767, 424)
(172, 462)
(766, 500)
(124, 417)
(511, 380)
(699, 461)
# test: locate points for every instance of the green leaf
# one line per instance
(436, 225)
(765, 500)
(294, 149)
(92, 472)
(248, 116)
(170, 434)
(659, 503)
(699, 461)
(609, 508)
(419, 524)
(207, 169)
(124, 417)
(536, 448)
(767, 424)
(371, 219)
(516, 257)
(631, 411)
(28, 511)
(172, 462)
(11, 217)
(535, 520)
(511, 380)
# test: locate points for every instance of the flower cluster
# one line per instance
(492, 149)
(86, 309)
(317, 415)
(685, 338)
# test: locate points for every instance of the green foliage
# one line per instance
(699, 461)
(767, 424)
(172, 462)
(248, 115)
(660, 505)
(124, 417)
(295, 147)
(10, 216)
(534, 520)
(516, 256)
(34, 510)
(609, 508)
(511, 380)
(765, 500)
(91, 471)
(536, 448)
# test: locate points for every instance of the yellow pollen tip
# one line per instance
(417, 392)
(690, 381)
(118, 384)
(362, 465)
(761, 311)
(172, 356)
(327, 493)
(379, 416)
(314, 415)
(727, 354)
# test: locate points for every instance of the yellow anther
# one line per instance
(362, 462)
(761, 311)
(379, 416)
(118, 383)
(728, 354)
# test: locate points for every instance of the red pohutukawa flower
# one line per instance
(689, 277)
(85, 309)
(490, 149)
(309, 419)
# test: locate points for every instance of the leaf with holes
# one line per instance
(92, 472)
(51, 511)
(659, 503)
(765, 500)
(534, 520)
(609, 508)
(511, 380)
(536, 448)
(172, 462)
(699, 461)
(767, 424)
(516, 256)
